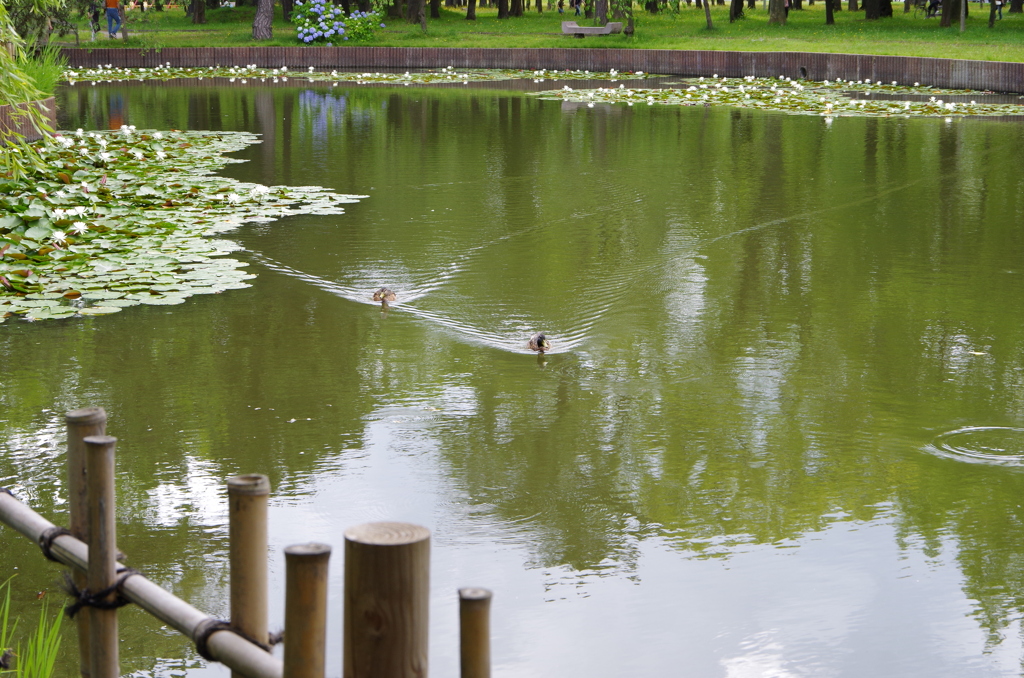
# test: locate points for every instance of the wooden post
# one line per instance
(475, 632)
(88, 421)
(247, 529)
(305, 610)
(103, 640)
(387, 600)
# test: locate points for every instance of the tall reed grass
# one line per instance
(44, 69)
(34, 657)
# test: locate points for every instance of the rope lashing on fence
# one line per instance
(46, 540)
(85, 598)
(211, 625)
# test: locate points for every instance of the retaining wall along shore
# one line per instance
(997, 76)
(23, 125)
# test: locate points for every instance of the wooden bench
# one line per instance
(572, 28)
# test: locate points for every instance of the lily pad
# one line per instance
(116, 241)
(99, 310)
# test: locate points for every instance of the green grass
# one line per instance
(44, 70)
(904, 34)
(36, 657)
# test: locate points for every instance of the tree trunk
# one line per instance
(797, 4)
(872, 10)
(286, 9)
(1016, 6)
(830, 17)
(417, 12)
(394, 9)
(199, 15)
(906, 6)
(991, 14)
(602, 12)
(516, 8)
(949, 8)
(776, 12)
(885, 9)
(471, 11)
(735, 10)
(540, 6)
(262, 29)
(435, 9)
(699, 5)
(853, 6)
(502, 9)
(751, 4)
(707, 14)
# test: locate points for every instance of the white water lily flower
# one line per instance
(258, 192)
(234, 198)
(158, 135)
(58, 237)
(105, 156)
(79, 227)
(160, 155)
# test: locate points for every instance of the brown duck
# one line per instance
(539, 343)
(384, 294)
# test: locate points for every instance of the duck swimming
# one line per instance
(384, 294)
(539, 343)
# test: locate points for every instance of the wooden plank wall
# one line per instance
(24, 125)
(997, 76)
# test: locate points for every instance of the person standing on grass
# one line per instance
(113, 17)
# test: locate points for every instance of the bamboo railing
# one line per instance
(387, 574)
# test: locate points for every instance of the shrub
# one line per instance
(320, 22)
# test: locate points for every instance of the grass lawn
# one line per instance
(904, 34)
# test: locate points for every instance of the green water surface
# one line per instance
(779, 433)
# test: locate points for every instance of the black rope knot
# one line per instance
(85, 598)
(46, 540)
(211, 625)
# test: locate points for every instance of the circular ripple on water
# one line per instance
(1003, 445)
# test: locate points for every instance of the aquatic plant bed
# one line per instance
(125, 218)
(828, 98)
(253, 73)
(997, 76)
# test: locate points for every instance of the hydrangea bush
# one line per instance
(319, 21)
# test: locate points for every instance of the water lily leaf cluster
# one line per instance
(827, 98)
(125, 218)
(252, 73)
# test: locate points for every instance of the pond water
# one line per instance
(780, 432)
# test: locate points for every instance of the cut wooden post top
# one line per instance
(310, 549)
(250, 483)
(86, 415)
(99, 440)
(474, 593)
(387, 534)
